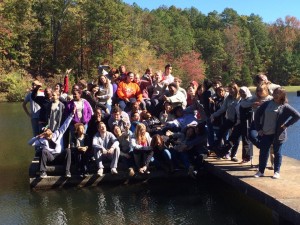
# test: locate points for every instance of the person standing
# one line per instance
(271, 120)
(34, 109)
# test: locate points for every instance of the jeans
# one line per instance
(265, 144)
(162, 158)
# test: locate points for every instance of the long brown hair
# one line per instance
(138, 134)
(157, 141)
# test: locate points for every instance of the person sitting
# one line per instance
(106, 145)
(181, 121)
(126, 151)
(142, 149)
(151, 122)
(166, 115)
(120, 118)
(161, 154)
(51, 145)
(135, 120)
(129, 92)
(175, 97)
(79, 145)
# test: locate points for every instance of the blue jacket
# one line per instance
(287, 116)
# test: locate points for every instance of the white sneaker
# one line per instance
(114, 171)
(100, 172)
(276, 175)
(258, 174)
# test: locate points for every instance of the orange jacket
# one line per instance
(129, 90)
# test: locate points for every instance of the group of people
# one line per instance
(140, 121)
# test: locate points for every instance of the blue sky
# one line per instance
(269, 10)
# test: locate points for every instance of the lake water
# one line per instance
(206, 201)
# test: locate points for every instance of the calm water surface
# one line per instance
(207, 201)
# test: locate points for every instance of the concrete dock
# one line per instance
(281, 195)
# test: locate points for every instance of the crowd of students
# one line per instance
(149, 120)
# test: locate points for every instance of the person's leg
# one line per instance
(122, 104)
(35, 126)
(45, 157)
(266, 141)
(277, 157)
(115, 158)
(67, 153)
(98, 158)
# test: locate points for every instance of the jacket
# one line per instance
(287, 116)
(86, 114)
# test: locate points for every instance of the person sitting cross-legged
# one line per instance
(106, 145)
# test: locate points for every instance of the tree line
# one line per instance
(44, 37)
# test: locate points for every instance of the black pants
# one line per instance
(47, 156)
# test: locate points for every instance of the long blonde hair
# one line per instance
(140, 137)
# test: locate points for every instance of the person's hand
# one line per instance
(110, 151)
(165, 98)
(260, 132)
(126, 100)
(169, 133)
(68, 71)
(104, 151)
(283, 126)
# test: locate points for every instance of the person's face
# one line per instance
(76, 96)
(172, 90)
(232, 91)
(75, 88)
(158, 76)
(215, 86)
(48, 92)
(143, 130)
(117, 116)
(98, 114)
(200, 91)
(221, 93)
(116, 76)
(95, 89)
(130, 77)
(136, 117)
(168, 107)
(123, 69)
(81, 129)
(277, 96)
(103, 79)
(177, 82)
(137, 79)
(117, 131)
(55, 96)
(48, 133)
(168, 70)
(57, 87)
(242, 94)
(102, 128)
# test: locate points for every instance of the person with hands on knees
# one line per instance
(106, 145)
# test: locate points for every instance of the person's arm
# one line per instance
(120, 93)
(293, 116)
(24, 104)
(98, 143)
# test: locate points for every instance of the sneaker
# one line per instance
(68, 174)
(234, 159)
(43, 174)
(114, 171)
(100, 172)
(276, 175)
(258, 174)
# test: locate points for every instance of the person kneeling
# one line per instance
(106, 145)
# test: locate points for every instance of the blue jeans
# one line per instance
(162, 158)
(265, 144)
